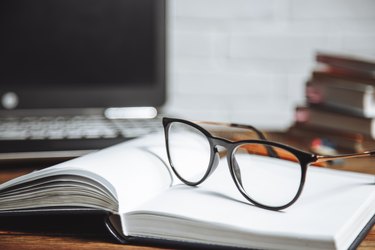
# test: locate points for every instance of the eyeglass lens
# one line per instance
(185, 141)
(271, 180)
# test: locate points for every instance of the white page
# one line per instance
(134, 172)
(332, 202)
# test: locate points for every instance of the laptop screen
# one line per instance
(82, 53)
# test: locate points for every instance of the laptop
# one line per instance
(78, 75)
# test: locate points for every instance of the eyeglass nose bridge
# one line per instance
(216, 155)
(233, 166)
(221, 142)
(232, 162)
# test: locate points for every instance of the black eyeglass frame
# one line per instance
(303, 157)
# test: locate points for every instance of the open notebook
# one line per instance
(145, 202)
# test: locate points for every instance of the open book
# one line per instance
(144, 201)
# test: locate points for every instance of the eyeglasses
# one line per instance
(270, 175)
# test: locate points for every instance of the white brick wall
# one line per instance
(248, 60)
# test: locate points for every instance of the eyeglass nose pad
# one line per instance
(216, 161)
(237, 171)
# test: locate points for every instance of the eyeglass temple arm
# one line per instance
(258, 132)
(270, 150)
(324, 158)
(235, 125)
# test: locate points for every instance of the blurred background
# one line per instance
(77, 76)
(248, 61)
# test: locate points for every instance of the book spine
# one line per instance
(357, 100)
(336, 77)
(113, 224)
(349, 73)
(334, 120)
(350, 63)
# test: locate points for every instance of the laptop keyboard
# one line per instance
(91, 132)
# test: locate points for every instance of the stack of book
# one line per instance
(340, 109)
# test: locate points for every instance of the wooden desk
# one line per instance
(16, 238)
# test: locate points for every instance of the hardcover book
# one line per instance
(348, 66)
(133, 184)
(331, 119)
(357, 99)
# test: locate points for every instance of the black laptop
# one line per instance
(78, 75)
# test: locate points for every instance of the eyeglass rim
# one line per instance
(166, 124)
(248, 196)
(304, 159)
